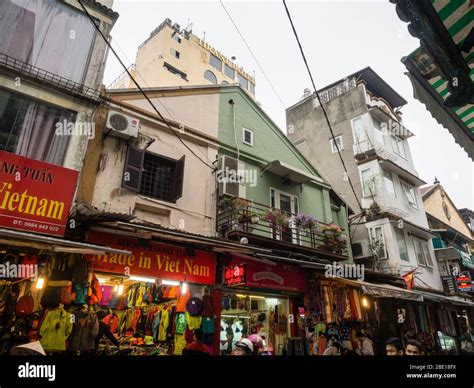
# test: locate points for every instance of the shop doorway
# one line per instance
(247, 314)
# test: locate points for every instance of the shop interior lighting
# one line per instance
(170, 282)
(120, 290)
(142, 279)
(251, 296)
(184, 288)
(116, 288)
(40, 283)
(271, 300)
(101, 280)
(365, 302)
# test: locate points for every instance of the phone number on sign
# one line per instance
(36, 226)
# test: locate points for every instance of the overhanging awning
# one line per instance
(445, 299)
(467, 261)
(383, 290)
(284, 170)
(407, 175)
(53, 244)
(415, 229)
(442, 68)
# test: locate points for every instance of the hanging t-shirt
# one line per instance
(181, 302)
(208, 325)
(164, 322)
(180, 323)
(193, 322)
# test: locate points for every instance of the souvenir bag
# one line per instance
(194, 306)
(25, 305)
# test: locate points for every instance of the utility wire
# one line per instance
(139, 87)
(320, 103)
(253, 55)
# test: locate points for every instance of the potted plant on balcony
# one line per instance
(305, 223)
(226, 204)
(334, 240)
(241, 203)
(248, 220)
(277, 219)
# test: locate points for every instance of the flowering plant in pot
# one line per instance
(226, 204)
(277, 219)
(304, 222)
(334, 239)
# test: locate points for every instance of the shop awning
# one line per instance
(284, 170)
(383, 290)
(442, 69)
(415, 229)
(445, 299)
(467, 261)
(452, 253)
(53, 244)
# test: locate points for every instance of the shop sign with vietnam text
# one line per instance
(152, 259)
(35, 196)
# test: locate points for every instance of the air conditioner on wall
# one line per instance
(121, 125)
(230, 178)
(361, 249)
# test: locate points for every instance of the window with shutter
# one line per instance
(177, 185)
(132, 174)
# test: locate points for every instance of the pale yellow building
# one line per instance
(172, 56)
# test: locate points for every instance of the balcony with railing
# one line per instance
(25, 70)
(278, 229)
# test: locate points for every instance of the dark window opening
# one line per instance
(174, 70)
(153, 175)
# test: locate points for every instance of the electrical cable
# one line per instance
(253, 55)
(320, 103)
(140, 88)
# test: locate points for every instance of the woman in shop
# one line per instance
(197, 347)
(244, 347)
(334, 348)
(104, 331)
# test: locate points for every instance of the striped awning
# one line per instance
(457, 17)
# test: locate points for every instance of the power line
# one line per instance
(253, 55)
(139, 87)
(163, 104)
(321, 104)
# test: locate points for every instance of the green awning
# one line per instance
(429, 81)
(467, 261)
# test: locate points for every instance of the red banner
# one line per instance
(152, 259)
(35, 196)
(281, 277)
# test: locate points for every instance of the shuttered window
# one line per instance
(153, 176)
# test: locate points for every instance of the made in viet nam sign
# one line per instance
(35, 196)
(152, 259)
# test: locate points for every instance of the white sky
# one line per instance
(339, 38)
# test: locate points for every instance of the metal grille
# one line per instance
(156, 178)
(49, 78)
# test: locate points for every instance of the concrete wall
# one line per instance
(198, 111)
(434, 206)
(193, 212)
(308, 129)
(193, 61)
(270, 144)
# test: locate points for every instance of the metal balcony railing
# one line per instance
(254, 221)
(43, 76)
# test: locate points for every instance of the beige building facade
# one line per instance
(172, 56)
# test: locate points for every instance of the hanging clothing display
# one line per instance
(55, 329)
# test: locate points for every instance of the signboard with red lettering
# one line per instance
(280, 277)
(234, 275)
(464, 282)
(152, 259)
(35, 196)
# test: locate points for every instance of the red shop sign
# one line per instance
(35, 196)
(155, 260)
(235, 275)
(281, 277)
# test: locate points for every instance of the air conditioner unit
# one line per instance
(121, 125)
(230, 177)
(361, 249)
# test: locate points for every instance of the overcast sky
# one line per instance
(339, 38)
